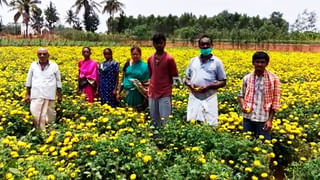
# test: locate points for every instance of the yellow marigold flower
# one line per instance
(195, 149)
(147, 158)
(192, 121)
(271, 155)
(93, 153)
(274, 141)
(256, 163)
(9, 175)
(133, 176)
(213, 177)
(51, 177)
(14, 154)
(115, 150)
(254, 178)
(73, 175)
(139, 154)
(143, 141)
(256, 149)
(291, 136)
(275, 163)
(303, 159)
(248, 169)
(264, 175)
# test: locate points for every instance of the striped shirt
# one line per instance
(258, 113)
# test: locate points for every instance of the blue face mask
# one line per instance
(206, 52)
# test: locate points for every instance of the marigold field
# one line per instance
(90, 141)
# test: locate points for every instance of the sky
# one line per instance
(263, 8)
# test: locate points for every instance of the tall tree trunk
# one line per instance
(27, 33)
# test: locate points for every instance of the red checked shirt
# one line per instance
(259, 114)
(161, 74)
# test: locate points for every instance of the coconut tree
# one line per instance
(71, 17)
(111, 7)
(4, 2)
(90, 7)
(23, 8)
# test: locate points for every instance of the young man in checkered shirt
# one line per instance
(259, 97)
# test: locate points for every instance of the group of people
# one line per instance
(151, 84)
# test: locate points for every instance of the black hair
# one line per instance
(260, 55)
(135, 48)
(109, 51)
(204, 36)
(158, 37)
(87, 48)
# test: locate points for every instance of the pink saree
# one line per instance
(89, 69)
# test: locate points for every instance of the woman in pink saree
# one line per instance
(88, 75)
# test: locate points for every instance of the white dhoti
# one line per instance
(205, 110)
(43, 111)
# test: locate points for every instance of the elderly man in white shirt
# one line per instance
(43, 84)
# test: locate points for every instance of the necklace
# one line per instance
(157, 58)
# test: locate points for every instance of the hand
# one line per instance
(118, 97)
(245, 110)
(79, 91)
(202, 89)
(27, 99)
(59, 98)
(267, 125)
(114, 92)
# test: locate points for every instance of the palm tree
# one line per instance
(23, 8)
(89, 7)
(3, 1)
(73, 20)
(112, 7)
(71, 17)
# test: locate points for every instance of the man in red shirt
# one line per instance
(162, 69)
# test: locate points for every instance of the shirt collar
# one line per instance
(211, 59)
(45, 66)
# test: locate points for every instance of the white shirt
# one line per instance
(202, 74)
(44, 83)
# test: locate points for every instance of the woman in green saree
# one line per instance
(135, 80)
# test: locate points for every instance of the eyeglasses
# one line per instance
(44, 54)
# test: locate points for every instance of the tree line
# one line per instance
(225, 26)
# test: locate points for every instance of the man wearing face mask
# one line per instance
(204, 76)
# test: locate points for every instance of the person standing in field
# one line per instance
(162, 68)
(135, 81)
(88, 75)
(43, 84)
(259, 97)
(109, 78)
(204, 76)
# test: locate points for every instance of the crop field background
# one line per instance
(90, 141)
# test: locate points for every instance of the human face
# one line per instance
(135, 55)
(159, 45)
(43, 55)
(86, 53)
(260, 65)
(205, 43)
(107, 54)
